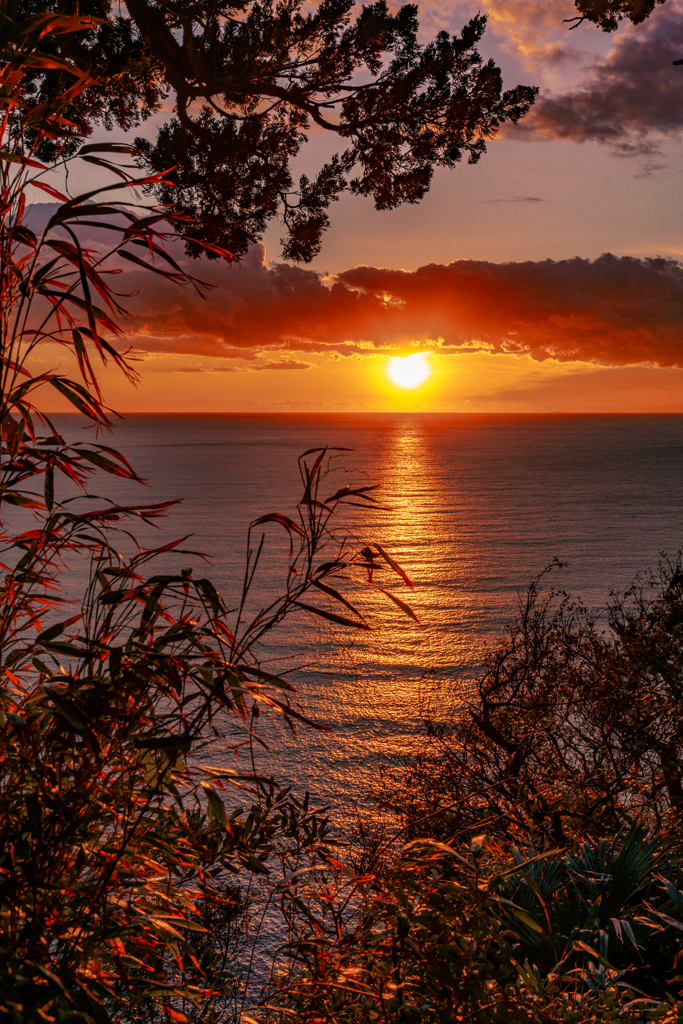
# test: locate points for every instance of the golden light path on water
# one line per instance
(374, 689)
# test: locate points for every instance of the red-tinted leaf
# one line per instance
(400, 604)
(50, 191)
(339, 619)
(275, 517)
(395, 566)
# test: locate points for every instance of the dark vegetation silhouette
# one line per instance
(575, 727)
(125, 859)
(249, 81)
(607, 14)
(534, 875)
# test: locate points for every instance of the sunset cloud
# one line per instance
(614, 311)
(631, 100)
(534, 29)
(282, 364)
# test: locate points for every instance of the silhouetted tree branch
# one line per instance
(251, 80)
(608, 13)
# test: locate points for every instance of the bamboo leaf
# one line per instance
(132, 258)
(216, 805)
(341, 620)
(49, 487)
(405, 608)
(327, 589)
(395, 566)
(275, 517)
(15, 158)
(50, 190)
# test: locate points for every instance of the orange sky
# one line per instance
(499, 273)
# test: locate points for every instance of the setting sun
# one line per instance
(409, 371)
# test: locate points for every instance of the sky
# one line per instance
(545, 278)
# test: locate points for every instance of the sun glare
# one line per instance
(409, 371)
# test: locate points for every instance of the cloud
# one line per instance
(253, 305)
(613, 310)
(531, 28)
(283, 364)
(517, 199)
(631, 99)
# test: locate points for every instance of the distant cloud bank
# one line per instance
(612, 310)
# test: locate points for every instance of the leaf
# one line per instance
(216, 805)
(68, 711)
(103, 463)
(107, 147)
(211, 594)
(255, 865)
(15, 158)
(526, 919)
(50, 191)
(208, 245)
(49, 487)
(53, 631)
(132, 258)
(346, 492)
(47, 24)
(326, 589)
(524, 864)
(667, 920)
(78, 397)
(176, 1015)
(333, 617)
(312, 451)
(395, 566)
(266, 677)
(401, 604)
(275, 517)
(62, 647)
(21, 500)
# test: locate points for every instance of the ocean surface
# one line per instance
(474, 506)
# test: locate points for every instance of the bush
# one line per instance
(573, 730)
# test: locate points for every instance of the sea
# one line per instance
(471, 507)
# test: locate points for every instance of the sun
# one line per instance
(409, 372)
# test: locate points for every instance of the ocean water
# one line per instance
(474, 506)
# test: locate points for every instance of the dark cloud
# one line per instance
(631, 100)
(252, 306)
(517, 199)
(613, 310)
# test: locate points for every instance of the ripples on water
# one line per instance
(478, 505)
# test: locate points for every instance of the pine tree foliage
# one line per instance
(608, 13)
(250, 81)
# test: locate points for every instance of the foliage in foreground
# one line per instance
(462, 932)
(544, 878)
(126, 860)
(574, 726)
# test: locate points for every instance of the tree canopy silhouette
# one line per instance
(608, 13)
(250, 80)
